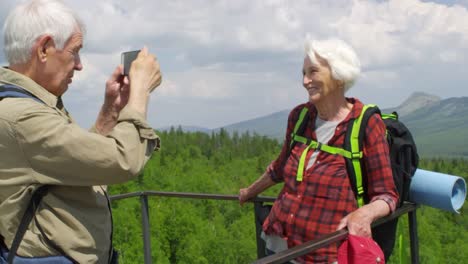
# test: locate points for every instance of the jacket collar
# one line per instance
(8, 76)
(353, 114)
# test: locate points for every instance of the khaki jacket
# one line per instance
(40, 144)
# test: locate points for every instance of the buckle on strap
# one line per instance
(356, 155)
(360, 190)
(319, 146)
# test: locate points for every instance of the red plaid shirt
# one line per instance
(314, 207)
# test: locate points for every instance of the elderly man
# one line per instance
(40, 144)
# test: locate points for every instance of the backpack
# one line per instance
(403, 157)
(9, 90)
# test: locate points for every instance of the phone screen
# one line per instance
(127, 58)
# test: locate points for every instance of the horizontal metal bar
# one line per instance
(283, 256)
(404, 209)
(205, 196)
(300, 250)
(334, 237)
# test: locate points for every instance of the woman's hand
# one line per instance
(243, 195)
(261, 184)
(359, 222)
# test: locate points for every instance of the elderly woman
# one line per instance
(321, 200)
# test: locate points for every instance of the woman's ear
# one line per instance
(43, 47)
(340, 84)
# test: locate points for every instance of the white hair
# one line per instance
(36, 18)
(343, 61)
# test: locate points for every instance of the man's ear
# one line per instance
(43, 47)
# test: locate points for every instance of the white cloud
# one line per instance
(198, 83)
(375, 78)
(403, 30)
(450, 56)
(228, 61)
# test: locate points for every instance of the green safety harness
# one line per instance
(400, 142)
(354, 154)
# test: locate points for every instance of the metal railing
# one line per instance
(280, 257)
(339, 235)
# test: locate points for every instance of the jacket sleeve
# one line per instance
(60, 152)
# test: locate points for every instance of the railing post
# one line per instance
(145, 228)
(413, 230)
(258, 230)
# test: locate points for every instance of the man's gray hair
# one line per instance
(343, 61)
(36, 18)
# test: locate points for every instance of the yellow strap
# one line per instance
(300, 167)
(354, 140)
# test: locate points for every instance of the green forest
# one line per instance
(213, 231)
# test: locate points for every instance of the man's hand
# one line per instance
(117, 90)
(144, 76)
(116, 98)
(145, 73)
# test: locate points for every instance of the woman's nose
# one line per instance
(306, 80)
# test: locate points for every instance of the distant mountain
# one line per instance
(273, 125)
(416, 101)
(439, 126)
(440, 129)
(186, 128)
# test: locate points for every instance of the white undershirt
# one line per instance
(324, 131)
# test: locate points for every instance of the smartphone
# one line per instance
(127, 58)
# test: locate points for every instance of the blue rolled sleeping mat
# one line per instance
(438, 190)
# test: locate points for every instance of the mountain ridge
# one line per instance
(436, 124)
(415, 101)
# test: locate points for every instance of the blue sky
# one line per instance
(229, 61)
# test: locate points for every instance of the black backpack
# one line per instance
(403, 156)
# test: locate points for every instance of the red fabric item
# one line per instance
(360, 250)
(313, 208)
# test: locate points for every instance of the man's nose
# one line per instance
(78, 64)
